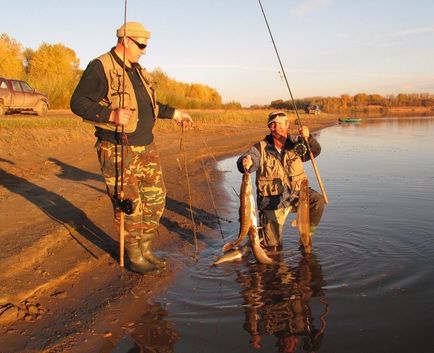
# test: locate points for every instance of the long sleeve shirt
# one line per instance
(93, 87)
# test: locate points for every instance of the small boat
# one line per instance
(350, 120)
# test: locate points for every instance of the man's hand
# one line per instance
(247, 162)
(304, 131)
(120, 116)
(183, 119)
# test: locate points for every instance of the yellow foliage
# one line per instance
(185, 95)
(54, 69)
(360, 102)
(11, 58)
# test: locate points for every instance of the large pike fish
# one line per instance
(247, 212)
(259, 253)
(303, 218)
(233, 255)
(248, 225)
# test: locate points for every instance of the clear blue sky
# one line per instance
(328, 47)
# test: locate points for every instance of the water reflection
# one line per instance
(277, 302)
(154, 334)
(376, 250)
(394, 123)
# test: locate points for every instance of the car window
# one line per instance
(16, 86)
(26, 87)
(3, 85)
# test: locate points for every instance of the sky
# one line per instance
(327, 47)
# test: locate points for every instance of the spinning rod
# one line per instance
(121, 196)
(312, 158)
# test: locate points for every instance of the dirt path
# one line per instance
(61, 286)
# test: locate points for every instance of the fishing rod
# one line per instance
(182, 150)
(312, 158)
(121, 196)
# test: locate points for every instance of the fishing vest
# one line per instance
(114, 75)
(273, 174)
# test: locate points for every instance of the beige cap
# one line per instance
(277, 117)
(133, 29)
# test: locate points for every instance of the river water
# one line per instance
(367, 287)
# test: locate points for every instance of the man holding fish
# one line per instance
(281, 182)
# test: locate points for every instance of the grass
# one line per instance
(63, 126)
(61, 121)
(258, 117)
(24, 134)
(27, 131)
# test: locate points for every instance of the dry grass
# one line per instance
(202, 118)
(59, 127)
(28, 131)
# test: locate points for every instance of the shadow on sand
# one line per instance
(60, 210)
(65, 213)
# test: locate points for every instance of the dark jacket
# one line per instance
(92, 88)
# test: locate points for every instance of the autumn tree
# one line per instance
(54, 70)
(232, 105)
(185, 95)
(346, 101)
(279, 104)
(11, 58)
(376, 99)
(360, 99)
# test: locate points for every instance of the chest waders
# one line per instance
(274, 175)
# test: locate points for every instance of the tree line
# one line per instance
(359, 102)
(54, 69)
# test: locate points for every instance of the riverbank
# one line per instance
(63, 289)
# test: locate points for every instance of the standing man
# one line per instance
(278, 164)
(124, 110)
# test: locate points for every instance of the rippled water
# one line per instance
(367, 287)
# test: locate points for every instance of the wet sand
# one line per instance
(62, 287)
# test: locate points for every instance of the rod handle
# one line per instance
(122, 239)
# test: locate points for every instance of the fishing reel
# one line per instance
(300, 149)
(126, 205)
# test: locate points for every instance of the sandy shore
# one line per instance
(62, 288)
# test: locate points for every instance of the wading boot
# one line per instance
(137, 262)
(145, 243)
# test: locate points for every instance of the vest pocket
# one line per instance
(270, 187)
(115, 80)
(116, 100)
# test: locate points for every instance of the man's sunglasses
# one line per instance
(141, 46)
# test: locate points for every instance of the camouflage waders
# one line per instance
(272, 221)
(143, 184)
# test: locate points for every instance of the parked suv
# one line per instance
(18, 96)
(312, 109)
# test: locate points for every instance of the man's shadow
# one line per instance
(70, 172)
(183, 229)
(61, 210)
(201, 217)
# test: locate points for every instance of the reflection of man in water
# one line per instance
(276, 301)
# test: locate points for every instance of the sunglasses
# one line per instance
(141, 46)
